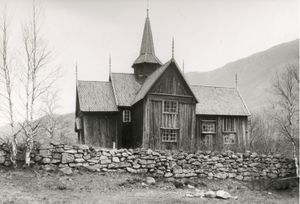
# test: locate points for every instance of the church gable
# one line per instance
(171, 82)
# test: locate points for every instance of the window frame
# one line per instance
(229, 135)
(170, 101)
(232, 121)
(169, 139)
(209, 121)
(128, 118)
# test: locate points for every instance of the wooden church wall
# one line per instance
(137, 124)
(241, 127)
(170, 87)
(155, 122)
(101, 129)
(171, 83)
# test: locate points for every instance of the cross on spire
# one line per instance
(109, 64)
(76, 73)
(173, 48)
(147, 8)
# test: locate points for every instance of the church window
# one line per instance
(126, 116)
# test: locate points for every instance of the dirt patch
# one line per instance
(35, 186)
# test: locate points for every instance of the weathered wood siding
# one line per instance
(241, 127)
(137, 124)
(100, 129)
(171, 83)
(154, 121)
(171, 86)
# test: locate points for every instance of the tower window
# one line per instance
(126, 116)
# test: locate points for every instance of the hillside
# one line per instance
(255, 73)
(64, 131)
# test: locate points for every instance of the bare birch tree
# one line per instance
(263, 137)
(39, 77)
(6, 79)
(286, 116)
(50, 107)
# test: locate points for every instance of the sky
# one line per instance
(208, 33)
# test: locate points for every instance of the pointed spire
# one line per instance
(147, 46)
(147, 53)
(182, 66)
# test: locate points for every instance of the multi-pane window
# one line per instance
(228, 124)
(229, 138)
(208, 127)
(169, 106)
(169, 135)
(169, 124)
(126, 116)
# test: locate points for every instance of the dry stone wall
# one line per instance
(241, 166)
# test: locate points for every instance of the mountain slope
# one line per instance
(255, 73)
(64, 130)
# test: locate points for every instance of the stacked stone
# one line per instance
(246, 166)
(4, 155)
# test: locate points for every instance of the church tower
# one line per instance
(147, 62)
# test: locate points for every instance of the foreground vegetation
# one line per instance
(37, 186)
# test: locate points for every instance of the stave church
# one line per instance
(155, 107)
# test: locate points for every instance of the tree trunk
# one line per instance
(29, 147)
(13, 151)
(296, 160)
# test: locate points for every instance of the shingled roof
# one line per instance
(125, 87)
(96, 96)
(219, 101)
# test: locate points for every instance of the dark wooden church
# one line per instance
(156, 108)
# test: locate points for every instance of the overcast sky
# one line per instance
(208, 33)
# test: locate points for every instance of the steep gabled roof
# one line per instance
(125, 87)
(147, 53)
(150, 81)
(219, 101)
(96, 96)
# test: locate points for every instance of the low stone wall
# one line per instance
(223, 165)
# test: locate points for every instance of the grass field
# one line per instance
(28, 186)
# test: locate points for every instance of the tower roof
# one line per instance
(147, 53)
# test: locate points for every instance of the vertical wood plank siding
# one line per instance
(170, 86)
(171, 83)
(100, 129)
(137, 124)
(241, 127)
(155, 120)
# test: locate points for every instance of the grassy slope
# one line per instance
(19, 186)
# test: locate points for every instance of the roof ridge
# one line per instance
(227, 87)
(122, 73)
(94, 81)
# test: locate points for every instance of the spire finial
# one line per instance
(236, 80)
(147, 8)
(76, 73)
(109, 64)
(183, 66)
(172, 47)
